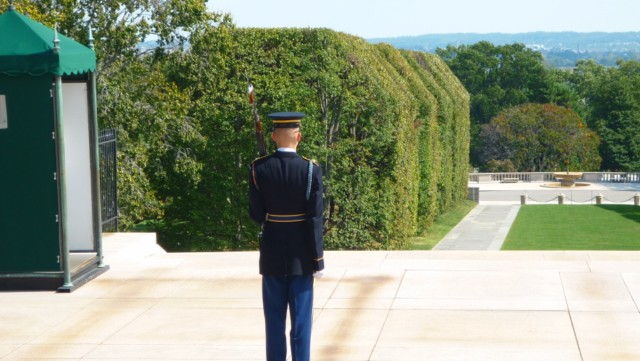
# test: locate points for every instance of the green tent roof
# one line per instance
(26, 47)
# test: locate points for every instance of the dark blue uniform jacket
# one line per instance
(292, 240)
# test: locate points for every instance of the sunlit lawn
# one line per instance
(583, 227)
(441, 226)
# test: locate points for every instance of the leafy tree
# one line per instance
(614, 99)
(119, 26)
(562, 90)
(607, 98)
(32, 9)
(584, 78)
(539, 137)
(157, 136)
(157, 139)
(497, 77)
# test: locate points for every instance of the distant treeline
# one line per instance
(569, 58)
(560, 49)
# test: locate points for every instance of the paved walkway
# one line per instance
(484, 228)
(370, 306)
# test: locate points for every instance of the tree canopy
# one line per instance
(539, 138)
(614, 98)
(500, 77)
(497, 77)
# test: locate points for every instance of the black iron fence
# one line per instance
(108, 180)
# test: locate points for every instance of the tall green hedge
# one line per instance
(390, 128)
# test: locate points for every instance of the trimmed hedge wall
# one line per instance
(389, 127)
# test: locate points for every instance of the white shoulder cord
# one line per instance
(309, 179)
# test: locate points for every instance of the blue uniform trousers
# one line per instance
(297, 293)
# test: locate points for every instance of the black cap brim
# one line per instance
(286, 119)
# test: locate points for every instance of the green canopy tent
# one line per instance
(29, 49)
(50, 233)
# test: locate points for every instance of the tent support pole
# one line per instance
(96, 156)
(96, 170)
(66, 264)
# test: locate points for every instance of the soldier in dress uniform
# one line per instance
(285, 198)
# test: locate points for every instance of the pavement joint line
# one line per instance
(626, 285)
(573, 326)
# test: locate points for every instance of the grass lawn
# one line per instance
(441, 226)
(582, 227)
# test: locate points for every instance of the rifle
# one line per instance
(257, 122)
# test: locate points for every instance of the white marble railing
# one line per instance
(597, 177)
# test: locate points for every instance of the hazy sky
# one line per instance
(389, 18)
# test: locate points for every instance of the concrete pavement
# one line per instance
(484, 228)
(370, 306)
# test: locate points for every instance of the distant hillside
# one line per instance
(560, 49)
